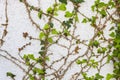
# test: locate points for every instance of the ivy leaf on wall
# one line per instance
(10, 74)
(54, 31)
(46, 26)
(50, 10)
(77, 1)
(98, 76)
(63, 1)
(68, 14)
(41, 35)
(109, 76)
(62, 7)
(40, 14)
(50, 40)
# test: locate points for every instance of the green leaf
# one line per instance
(109, 76)
(39, 71)
(50, 40)
(101, 5)
(63, 1)
(77, 1)
(85, 75)
(62, 7)
(42, 48)
(103, 13)
(111, 3)
(39, 60)
(54, 31)
(55, 13)
(93, 8)
(26, 58)
(93, 20)
(109, 58)
(32, 7)
(40, 14)
(94, 43)
(31, 56)
(76, 18)
(68, 23)
(84, 60)
(41, 35)
(112, 28)
(112, 34)
(51, 24)
(47, 58)
(100, 33)
(41, 53)
(97, 2)
(84, 20)
(66, 32)
(50, 10)
(68, 14)
(47, 26)
(93, 63)
(42, 42)
(10, 74)
(102, 50)
(98, 76)
(78, 62)
(31, 77)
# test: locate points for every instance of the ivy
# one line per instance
(68, 14)
(100, 8)
(51, 34)
(31, 77)
(47, 26)
(83, 61)
(102, 50)
(66, 32)
(50, 10)
(78, 61)
(50, 24)
(62, 7)
(41, 35)
(94, 43)
(103, 13)
(68, 23)
(54, 31)
(50, 40)
(97, 76)
(77, 1)
(93, 63)
(116, 56)
(10, 75)
(32, 7)
(112, 34)
(93, 20)
(76, 17)
(38, 71)
(109, 76)
(84, 20)
(40, 14)
(63, 1)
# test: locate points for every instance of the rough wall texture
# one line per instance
(19, 22)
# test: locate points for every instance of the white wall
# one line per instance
(19, 23)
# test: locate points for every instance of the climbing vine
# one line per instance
(101, 49)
